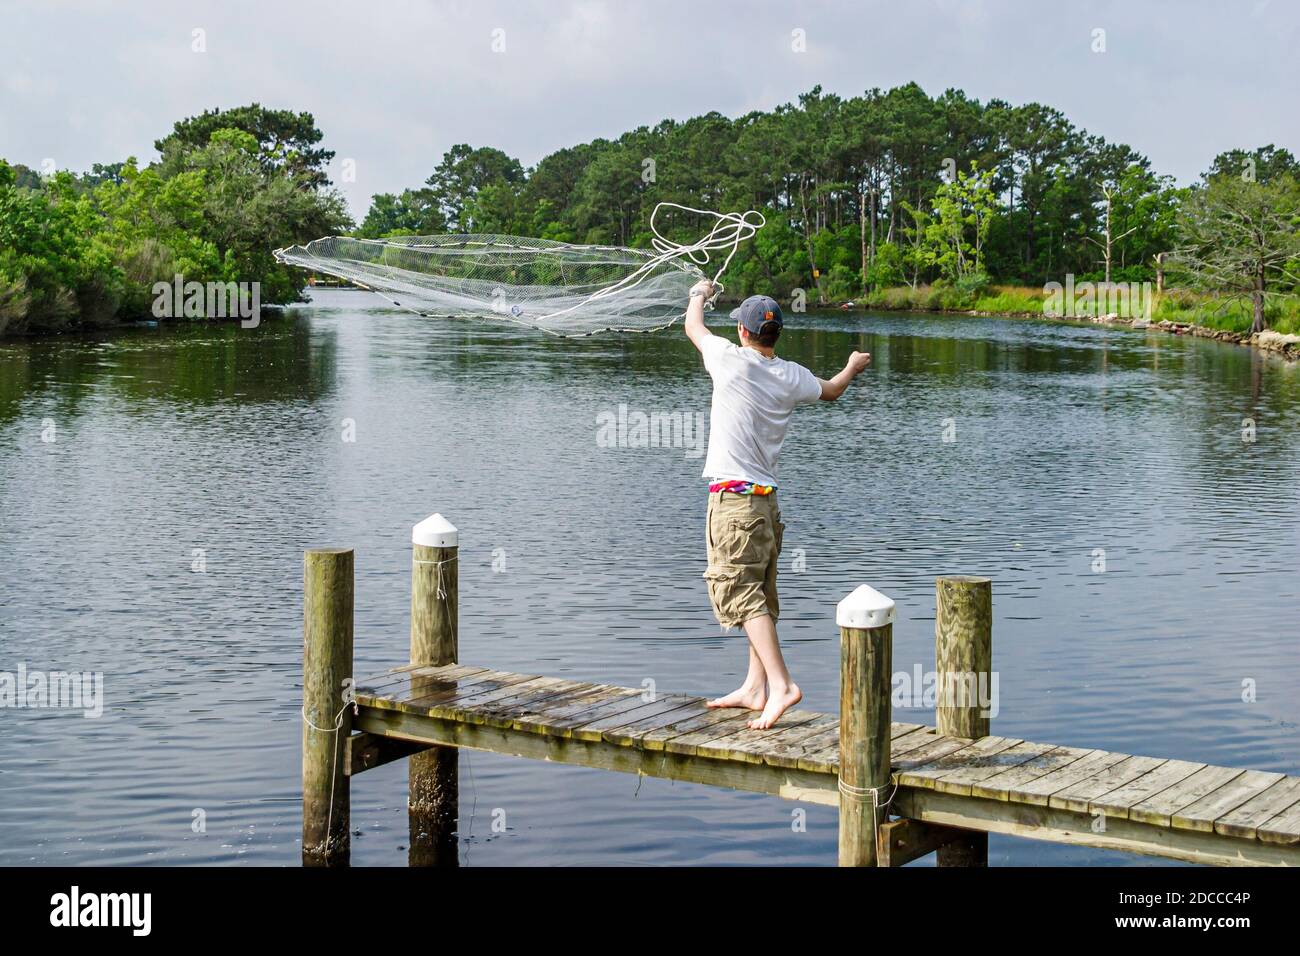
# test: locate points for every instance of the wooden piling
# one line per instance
(963, 657)
(433, 804)
(327, 663)
(865, 619)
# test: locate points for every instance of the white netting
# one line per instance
(558, 287)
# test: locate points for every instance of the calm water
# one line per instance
(222, 448)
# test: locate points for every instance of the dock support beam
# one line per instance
(963, 661)
(326, 664)
(433, 803)
(866, 621)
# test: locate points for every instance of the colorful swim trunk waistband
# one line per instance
(742, 488)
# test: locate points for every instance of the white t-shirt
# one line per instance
(753, 397)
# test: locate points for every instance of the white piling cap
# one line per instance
(864, 608)
(435, 531)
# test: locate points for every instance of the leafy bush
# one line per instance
(80, 252)
(842, 283)
(887, 269)
(972, 285)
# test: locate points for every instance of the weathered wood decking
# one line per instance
(1169, 808)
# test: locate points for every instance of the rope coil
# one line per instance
(729, 230)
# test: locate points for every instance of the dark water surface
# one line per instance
(224, 446)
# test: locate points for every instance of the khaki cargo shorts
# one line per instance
(743, 534)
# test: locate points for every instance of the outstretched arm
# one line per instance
(833, 389)
(696, 330)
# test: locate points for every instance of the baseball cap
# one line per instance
(756, 311)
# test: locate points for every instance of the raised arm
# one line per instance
(833, 389)
(696, 330)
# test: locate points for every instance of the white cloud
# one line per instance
(394, 84)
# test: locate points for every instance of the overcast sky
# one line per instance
(393, 84)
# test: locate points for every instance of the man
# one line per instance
(754, 394)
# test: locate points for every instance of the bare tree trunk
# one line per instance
(893, 210)
(1108, 248)
(916, 258)
(875, 195)
(1108, 202)
(1160, 272)
(862, 236)
(1258, 297)
(807, 235)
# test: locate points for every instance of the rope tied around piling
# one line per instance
(334, 758)
(441, 589)
(861, 793)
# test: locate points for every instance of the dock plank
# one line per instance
(399, 691)
(793, 754)
(591, 726)
(535, 714)
(1245, 820)
(962, 780)
(1283, 828)
(936, 748)
(825, 759)
(624, 729)
(1116, 803)
(503, 703)
(657, 739)
(912, 740)
(1079, 796)
(405, 675)
(555, 716)
(925, 775)
(455, 697)
(1160, 807)
(1202, 814)
(1039, 792)
(904, 738)
(1011, 781)
(687, 743)
(635, 730)
(786, 751)
(751, 746)
(543, 705)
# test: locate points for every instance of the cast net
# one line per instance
(558, 287)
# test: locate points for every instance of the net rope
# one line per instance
(557, 287)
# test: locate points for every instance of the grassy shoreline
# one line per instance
(1176, 312)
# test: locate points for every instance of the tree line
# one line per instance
(891, 189)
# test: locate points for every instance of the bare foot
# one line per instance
(777, 704)
(751, 698)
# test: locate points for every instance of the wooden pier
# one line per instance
(903, 789)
